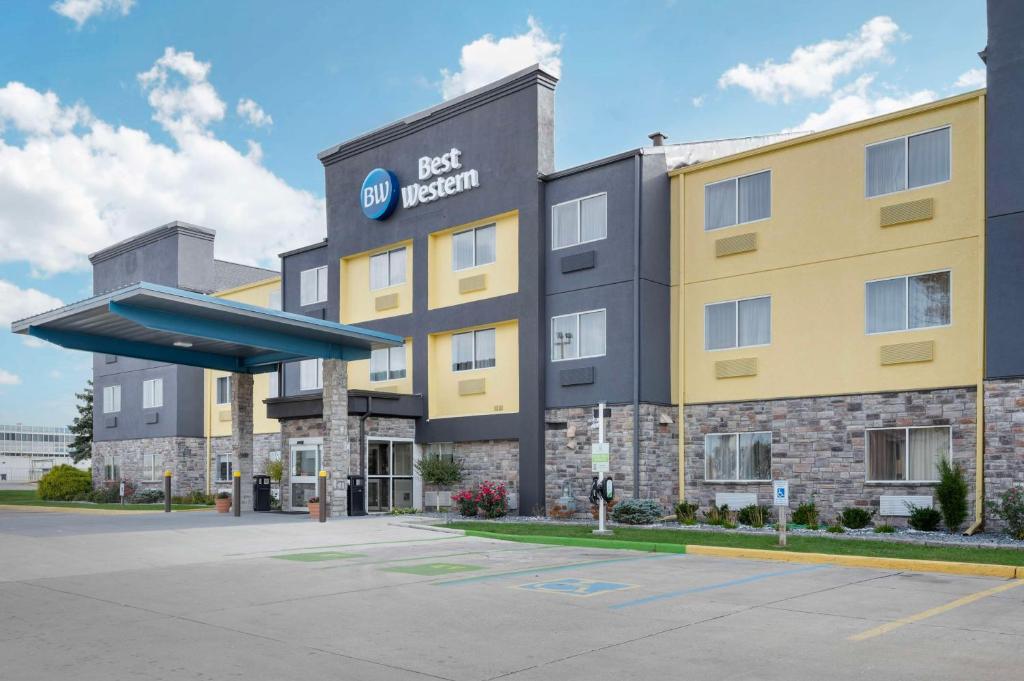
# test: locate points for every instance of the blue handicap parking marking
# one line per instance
(576, 587)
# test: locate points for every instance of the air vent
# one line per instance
(906, 353)
(735, 500)
(902, 213)
(735, 368)
(578, 376)
(741, 243)
(579, 261)
(473, 386)
(475, 283)
(388, 302)
(899, 504)
(152, 417)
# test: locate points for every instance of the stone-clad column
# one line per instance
(336, 444)
(241, 434)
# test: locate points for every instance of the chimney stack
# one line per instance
(658, 138)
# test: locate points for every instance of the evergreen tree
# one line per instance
(81, 447)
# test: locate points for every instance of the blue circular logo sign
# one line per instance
(379, 194)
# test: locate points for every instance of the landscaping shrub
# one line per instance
(951, 494)
(754, 515)
(1010, 508)
(404, 511)
(147, 496)
(806, 514)
(64, 483)
(884, 528)
(105, 495)
(637, 511)
(923, 518)
(466, 503)
(836, 526)
(856, 518)
(492, 499)
(716, 515)
(686, 513)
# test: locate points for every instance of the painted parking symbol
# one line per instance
(574, 586)
(433, 569)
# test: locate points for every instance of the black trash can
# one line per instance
(356, 497)
(261, 492)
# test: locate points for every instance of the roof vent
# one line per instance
(658, 138)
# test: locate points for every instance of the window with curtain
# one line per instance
(223, 390)
(313, 286)
(473, 350)
(578, 335)
(153, 393)
(579, 221)
(387, 269)
(387, 364)
(738, 323)
(907, 162)
(738, 200)
(474, 247)
(112, 467)
(149, 469)
(911, 302)
(738, 457)
(906, 454)
(112, 399)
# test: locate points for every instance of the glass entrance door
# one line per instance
(306, 463)
(389, 473)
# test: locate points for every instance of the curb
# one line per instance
(429, 528)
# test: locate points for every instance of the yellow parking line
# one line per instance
(966, 600)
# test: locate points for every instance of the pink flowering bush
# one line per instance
(466, 501)
(492, 499)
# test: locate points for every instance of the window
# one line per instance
(907, 162)
(274, 302)
(473, 350)
(579, 221)
(311, 374)
(738, 457)
(912, 302)
(149, 468)
(907, 454)
(153, 393)
(224, 467)
(387, 364)
(579, 335)
(112, 399)
(313, 286)
(473, 247)
(738, 323)
(224, 390)
(387, 269)
(272, 385)
(112, 467)
(738, 200)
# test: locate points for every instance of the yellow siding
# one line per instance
(359, 375)
(501, 382)
(500, 277)
(358, 302)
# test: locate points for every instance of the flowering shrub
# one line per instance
(466, 501)
(492, 499)
(1011, 509)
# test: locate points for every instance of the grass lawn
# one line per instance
(799, 544)
(28, 497)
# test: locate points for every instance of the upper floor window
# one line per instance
(579, 221)
(907, 162)
(738, 456)
(578, 335)
(738, 323)
(737, 200)
(906, 454)
(311, 374)
(153, 393)
(313, 286)
(912, 302)
(223, 390)
(111, 399)
(473, 350)
(473, 247)
(387, 364)
(387, 269)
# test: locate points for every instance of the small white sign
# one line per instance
(599, 457)
(780, 495)
(120, 489)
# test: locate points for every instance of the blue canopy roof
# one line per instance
(167, 324)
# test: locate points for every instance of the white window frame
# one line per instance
(387, 254)
(579, 221)
(216, 467)
(736, 305)
(473, 333)
(112, 463)
(216, 389)
(109, 401)
(157, 395)
(320, 294)
(577, 315)
(474, 230)
(771, 446)
(736, 179)
(149, 468)
(318, 375)
(867, 455)
(389, 371)
(906, 303)
(906, 163)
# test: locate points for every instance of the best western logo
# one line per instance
(446, 176)
(379, 194)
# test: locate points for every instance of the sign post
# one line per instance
(600, 464)
(780, 498)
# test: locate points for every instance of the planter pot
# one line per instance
(223, 505)
(314, 510)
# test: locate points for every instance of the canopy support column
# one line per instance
(241, 435)
(337, 449)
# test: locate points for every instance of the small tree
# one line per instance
(275, 469)
(81, 427)
(952, 495)
(439, 471)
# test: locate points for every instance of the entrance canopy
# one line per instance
(167, 324)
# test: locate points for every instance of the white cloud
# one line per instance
(971, 79)
(18, 303)
(487, 59)
(857, 101)
(75, 183)
(80, 11)
(7, 378)
(812, 70)
(697, 102)
(253, 113)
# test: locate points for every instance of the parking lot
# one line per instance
(207, 596)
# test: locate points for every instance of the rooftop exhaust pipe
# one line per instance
(658, 138)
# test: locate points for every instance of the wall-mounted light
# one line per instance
(182, 344)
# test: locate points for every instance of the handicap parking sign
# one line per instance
(781, 495)
(576, 587)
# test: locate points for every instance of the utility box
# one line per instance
(261, 492)
(356, 497)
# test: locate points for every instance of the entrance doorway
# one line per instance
(306, 462)
(389, 475)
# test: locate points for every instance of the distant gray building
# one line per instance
(28, 452)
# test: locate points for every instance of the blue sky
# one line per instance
(117, 116)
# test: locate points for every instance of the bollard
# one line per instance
(321, 489)
(167, 491)
(236, 493)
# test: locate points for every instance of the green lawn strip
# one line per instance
(27, 497)
(589, 542)
(643, 538)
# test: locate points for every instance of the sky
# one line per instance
(117, 116)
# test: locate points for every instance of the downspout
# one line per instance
(362, 434)
(637, 177)
(979, 396)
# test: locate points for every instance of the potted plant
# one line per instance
(223, 502)
(439, 472)
(313, 504)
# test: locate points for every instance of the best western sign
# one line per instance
(439, 177)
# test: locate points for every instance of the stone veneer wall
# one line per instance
(185, 456)
(818, 443)
(263, 445)
(493, 460)
(569, 432)
(1004, 438)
